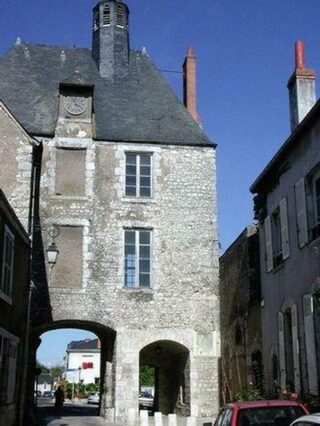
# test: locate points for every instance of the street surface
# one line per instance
(83, 414)
(70, 414)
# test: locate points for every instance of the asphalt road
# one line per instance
(69, 414)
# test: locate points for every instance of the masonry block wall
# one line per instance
(181, 304)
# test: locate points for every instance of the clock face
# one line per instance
(75, 105)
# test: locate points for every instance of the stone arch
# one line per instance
(107, 336)
(171, 362)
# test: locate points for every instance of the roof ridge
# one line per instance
(27, 43)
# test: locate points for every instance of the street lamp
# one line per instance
(52, 251)
(52, 254)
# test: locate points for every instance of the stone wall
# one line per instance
(182, 301)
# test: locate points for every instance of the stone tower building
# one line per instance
(125, 175)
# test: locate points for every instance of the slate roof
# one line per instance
(83, 344)
(272, 168)
(45, 378)
(140, 108)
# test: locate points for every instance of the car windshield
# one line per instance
(269, 416)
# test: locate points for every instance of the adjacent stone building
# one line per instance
(241, 346)
(287, 194)
(124, 182)
(14, 291)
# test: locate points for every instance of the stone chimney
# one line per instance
(110, 39)
(302, 88)
(189, 84)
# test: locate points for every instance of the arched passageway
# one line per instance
(171, 363)
(106, 337)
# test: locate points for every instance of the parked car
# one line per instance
(47, 394)
(37, 393)
(260, 413)
(309, 420)
(93, 398)
(145, 400)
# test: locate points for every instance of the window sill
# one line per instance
(6, 298)
(314, 243)
(70, 197)
(138, 200)
(145, 290)
(278, 267)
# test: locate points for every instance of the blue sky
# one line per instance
(245, 58)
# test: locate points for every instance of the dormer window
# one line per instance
(106, 15)
(120, 19)
(96, 20)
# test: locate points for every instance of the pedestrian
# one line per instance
(59, 395)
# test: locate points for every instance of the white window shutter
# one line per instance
(284, 228)
(12, 376)
(268, 243)
(301, 212)
(295, 345)
(309, 335)
(282, 356)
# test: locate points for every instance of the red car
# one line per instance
(260, 413)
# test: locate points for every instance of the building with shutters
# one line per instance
(122, 176)
(82, 363)
(14, 291)
(287, 205)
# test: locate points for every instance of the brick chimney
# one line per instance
(189, 84)
(302, 88)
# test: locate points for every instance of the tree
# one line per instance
(146, 377)
(42, 367)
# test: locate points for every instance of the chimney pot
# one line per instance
(299, 55)
(189, 84)
(302, 90)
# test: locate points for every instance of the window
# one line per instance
(7, 262)
(8, 359)
(71, 183)
(307, 198)
(137, 257)
(70, 242)
(138, 175)
(277, 236)
(316, 203)
(120, 16)
(106, 15)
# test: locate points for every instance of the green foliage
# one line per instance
(80, 390)
(42, 367)
(56, 371)
(252, 394)
(146, 377)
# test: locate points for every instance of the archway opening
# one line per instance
(77, 357)
(170, 362)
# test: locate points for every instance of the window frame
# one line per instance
(276, 237)
(8, 364)
(106, 16)
(316, 211)
(120, 16)
(137, 245)
(138, 175)
(6, 293)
